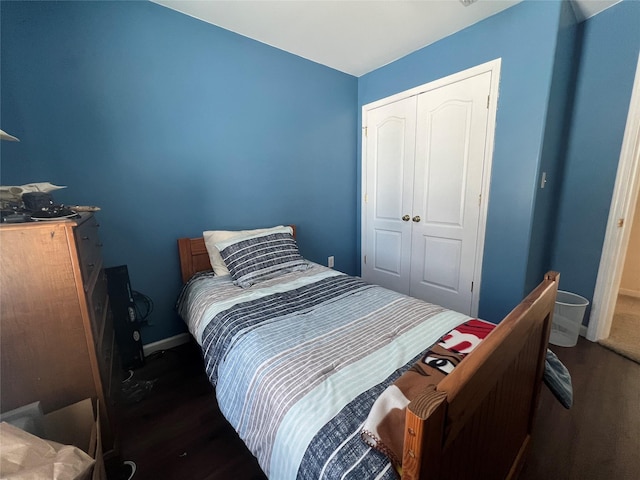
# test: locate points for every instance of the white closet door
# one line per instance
(390, 144)
(450, 149)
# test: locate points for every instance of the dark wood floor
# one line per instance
(599, 437)
(177, 432)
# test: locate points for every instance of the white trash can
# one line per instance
(567, 319)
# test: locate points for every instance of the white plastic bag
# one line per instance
(27, 457)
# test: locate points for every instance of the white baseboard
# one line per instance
(583, 331)
(166, 343)
(629, 292)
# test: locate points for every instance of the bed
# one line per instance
(299, 387)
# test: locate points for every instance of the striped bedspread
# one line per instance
(297, 362)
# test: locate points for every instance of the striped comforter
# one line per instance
(297, 362)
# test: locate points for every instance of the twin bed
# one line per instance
(303, 359)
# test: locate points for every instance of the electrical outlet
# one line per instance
(330, 261)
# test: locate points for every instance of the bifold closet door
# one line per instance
(390, 144)
(424, 163)
(451, 137)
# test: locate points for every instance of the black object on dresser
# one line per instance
(125, 317)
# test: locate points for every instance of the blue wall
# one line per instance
(611, 41)
(173, 126)
(554, 149)
(524, 36)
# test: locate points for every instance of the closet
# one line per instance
(426, 163)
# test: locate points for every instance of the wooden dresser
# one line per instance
(56, 329)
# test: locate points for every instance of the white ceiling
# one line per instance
(353, 36)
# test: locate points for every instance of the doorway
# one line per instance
(624, 335)
(621, 215)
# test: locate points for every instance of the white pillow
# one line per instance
(211, 237)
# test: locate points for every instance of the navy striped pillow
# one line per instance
(258, 257)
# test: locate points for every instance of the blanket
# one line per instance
(381, 429)
(298, 362)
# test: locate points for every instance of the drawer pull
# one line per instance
(85, 238)
(91, 265)
(99, 244)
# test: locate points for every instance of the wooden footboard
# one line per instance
(477, 422)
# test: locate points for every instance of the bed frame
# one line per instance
(477, 422)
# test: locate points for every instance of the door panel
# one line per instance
(389, 244)
(452, 129)
(389, 178)
(390, 144)
(446, 167)
(441, 255)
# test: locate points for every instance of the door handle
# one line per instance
(406, 218)
(416, 218)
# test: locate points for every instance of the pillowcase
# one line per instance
(213, 236)
(259, 256)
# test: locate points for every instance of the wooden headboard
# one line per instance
(194, 257)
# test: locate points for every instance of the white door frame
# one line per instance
(616, 239)
(492, 66)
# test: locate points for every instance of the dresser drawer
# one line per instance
(89, 248)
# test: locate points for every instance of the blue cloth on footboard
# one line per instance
(558, 379)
